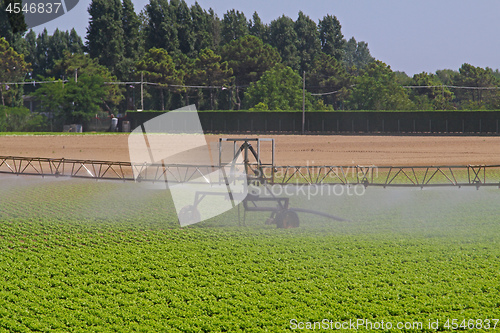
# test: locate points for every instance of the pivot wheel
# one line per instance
(189, 214)
(287, 219)
(271, 219)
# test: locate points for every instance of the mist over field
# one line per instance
(441, 210)
(82, 254)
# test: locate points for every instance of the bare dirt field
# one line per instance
(290, 150)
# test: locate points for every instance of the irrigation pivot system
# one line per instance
(385, 176)
(245, 154)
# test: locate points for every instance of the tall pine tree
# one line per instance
(328, 75)
(234, 26)
(131, 43)
(75, 42)
(12, 25)
(58, 44)
(284, 38)
(357, 55)
(105, 37)
(43, 51)
(201, 26)
(130, 24)
(161, 31)
(249, 58)
(30, 49)
(184, 27)
(331, 37)
(158, 66)
(210, 70)
(215, 29)
(308, 44)
(258, 29)
(42, 62)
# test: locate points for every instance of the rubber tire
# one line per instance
(287, 219)
(189, 214)
(291, 219)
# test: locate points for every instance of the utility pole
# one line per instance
(442, 88)
(142, 92)
(76, 75)
(303, 101)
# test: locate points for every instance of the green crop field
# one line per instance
(86, 256)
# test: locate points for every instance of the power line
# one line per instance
(123, 83)
(166, 85)
(331, 92)
(419, 87)
(328, 93)
(34, 83)
(453, 87)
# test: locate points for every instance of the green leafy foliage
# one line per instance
(13, 119)
(471, 76)
(279, 88)
(157, 66)
(433, 97)
(132, 42)
(73, 102)
(84, 95)
(308, 41)
(202, 26)
(234, 26)
(260, 107)
(328, 76)
(331, 37)
(118, 39)
(105, 34)
(249, 58)
(71, 259)
(376, 89)
(12, 25)
(44, 51)
(15, 20)
(52, 98)
(258, 29)
(161, 30)
(209, 70)
(356, 55)
(12, 69)
(284, 39)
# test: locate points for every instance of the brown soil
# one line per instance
(290, 150)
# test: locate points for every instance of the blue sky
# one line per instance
(411, 36)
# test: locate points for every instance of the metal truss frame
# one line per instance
(385, 176)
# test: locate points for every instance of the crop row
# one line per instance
(69, 263)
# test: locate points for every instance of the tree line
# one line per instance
(188, 54)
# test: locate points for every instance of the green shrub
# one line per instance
(17, 119)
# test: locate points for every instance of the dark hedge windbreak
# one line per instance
(341, 122)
